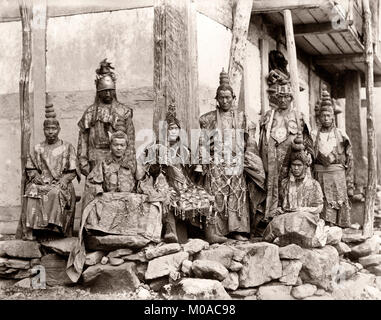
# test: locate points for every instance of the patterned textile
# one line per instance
(109, 175)
(276, 135)
(95, 125)
(302, 203)
(231, 210)
(334, 171)
(49, 205)
(187, 199)
(117, 213)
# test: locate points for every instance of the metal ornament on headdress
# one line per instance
(50, 114)
(171, 115)
(325, 101)
(105, 78)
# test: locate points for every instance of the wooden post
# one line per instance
(372, 152)
(264, 53)
(39, 68)
(25, 110)
(293, 62)
(175, 62)
(241, 23)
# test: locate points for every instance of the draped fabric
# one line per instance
(227, 180)
(334, 171)
(276, 135)
(49, 205)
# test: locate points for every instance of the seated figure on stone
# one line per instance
(279, 127)
(297, 220)
(50, 199)
(128, 219)
(166, 172)
(333, 165)
(106, 115)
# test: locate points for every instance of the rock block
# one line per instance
(17, 264)
(113, 242)
(274, 292)
(368, 247)
(303, 291)
(352, 236)
(186, 267)
(209, 269)
(55, 270)
(199, 289)
(235, 266)
(116, 261)
(376, 270)
(292, 251)
(195, 245)
(119, 253)
(139, 256)
(162, 250)
(93, 258)
(231, 282)
(260, 265)
(290, 271)
(342, 248)
(107, 278)
(334, 235)
(371, 260)
(162, 266)
(319, 266)
(20, 249)
(61, 246)
(242, 293)
(220, 253)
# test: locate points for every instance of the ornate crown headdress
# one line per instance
(171, 115)
(224, 83)
(105, 78)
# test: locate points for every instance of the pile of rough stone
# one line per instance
(21, 260)
(197, 270)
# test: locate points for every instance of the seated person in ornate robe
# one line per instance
(49, 191)
(115, 209)
(302, 201)
(170, 164)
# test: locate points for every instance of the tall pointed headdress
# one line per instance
(50, 114)
(224, 83)
(105, 77)
(325, 102)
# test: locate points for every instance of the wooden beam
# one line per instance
(370, 195)
(39, 67)
(241, 23)
(264, 55)
(56, 8)
(293, 62)
(220, 11)
(319, 28)
(261, 6)
(339, 59)
(175, 63)
(25, 109)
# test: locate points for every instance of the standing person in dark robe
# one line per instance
(279, 127)
(224, 133)
(49, 191)
(106, 115)
(333, 165)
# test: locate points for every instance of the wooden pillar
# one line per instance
(352, 87)
(39, 68)
(372, 152)
(264, 54)
(241, 23)
(25, 108)
(293, 62)
(175, 62)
